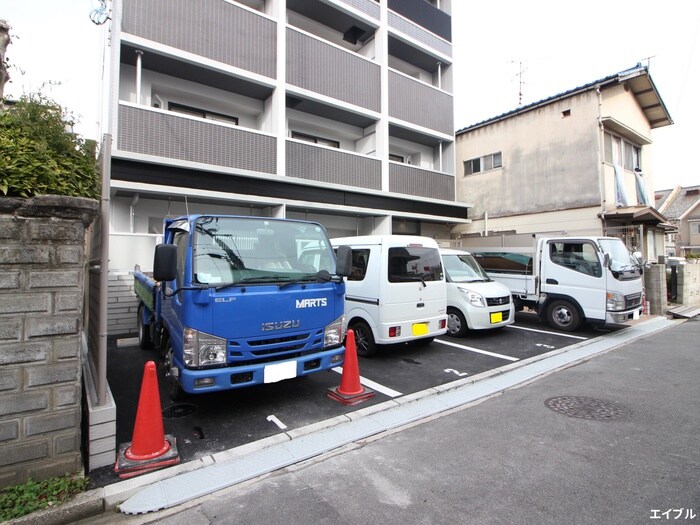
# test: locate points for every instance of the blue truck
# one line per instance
(235, 301)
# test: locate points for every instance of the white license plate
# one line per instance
(280, 371)
(635, 314)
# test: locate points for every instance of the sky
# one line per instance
(505, 53)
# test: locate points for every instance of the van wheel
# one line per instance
(144, 330)
(172, 383)
(563, 315)
(364, 339)
(456, 323)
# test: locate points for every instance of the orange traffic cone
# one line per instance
(350, 391)
(149, 449)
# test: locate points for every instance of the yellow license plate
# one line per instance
(420, 329)
(496, 317)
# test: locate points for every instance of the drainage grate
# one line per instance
(587, 408)
(179, 410)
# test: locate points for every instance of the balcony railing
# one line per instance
(420, 104)
(424, 15)
(233, 35)
(420, 34)
(161, 133)
(310, 162)
(331, 71)
(410, 180)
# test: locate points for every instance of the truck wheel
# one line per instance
(563, 315)
(364, 340)
(172, 383)
(456, 323)
(144, 331)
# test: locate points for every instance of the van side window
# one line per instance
(360, 258)
(411, 263)
(579, 256)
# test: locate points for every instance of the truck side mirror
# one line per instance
(343, 263)
(606, 260)
(165, 262)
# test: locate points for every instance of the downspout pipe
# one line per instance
(601, 163)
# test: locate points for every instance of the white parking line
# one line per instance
(371, 384)
(476, 350)
(547, 332)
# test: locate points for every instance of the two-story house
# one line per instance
(681, 205)
(338, 111)
(578, 162)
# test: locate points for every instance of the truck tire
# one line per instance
(144, 330)
(456, 323)
(172, 383)
(364, 339)
(563, 315)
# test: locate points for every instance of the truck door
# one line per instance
(172, 306)
(572, 268)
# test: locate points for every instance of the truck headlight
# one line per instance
(202, 350)
(334, 334)
(615, 302)
(473, 298)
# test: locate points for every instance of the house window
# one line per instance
(485, 163)
(202, 113)
(315, 140)
(622, 152)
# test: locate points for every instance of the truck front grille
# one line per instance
(633, 300)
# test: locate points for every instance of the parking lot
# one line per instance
(211, 423)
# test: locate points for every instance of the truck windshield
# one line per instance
(463, 268)
(230, 250)
(620, 257)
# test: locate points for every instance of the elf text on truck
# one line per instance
(240, 301)
(570, 280)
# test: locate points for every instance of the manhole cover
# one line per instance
(179, 410)
(586, 408)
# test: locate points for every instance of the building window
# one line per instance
(202, 113)
(395, 158)
(315, 140)
(622, 152)
(485, 163)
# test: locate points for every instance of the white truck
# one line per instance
(396, 291)
(570, 280)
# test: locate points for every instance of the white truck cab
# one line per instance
(474, 300)
(396, 291)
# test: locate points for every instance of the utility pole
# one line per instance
(4, 42)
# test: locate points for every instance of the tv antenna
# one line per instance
(521, 82)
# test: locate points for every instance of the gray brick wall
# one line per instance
(42, 274)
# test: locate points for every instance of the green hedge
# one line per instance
(40, 156)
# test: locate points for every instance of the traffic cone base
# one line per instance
(349, 399)
(124, 465)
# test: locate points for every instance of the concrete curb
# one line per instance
(104, 499)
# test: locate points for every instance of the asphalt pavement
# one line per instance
(612, 438)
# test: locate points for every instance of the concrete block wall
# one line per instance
(655, 289)
(42, 274)
(122, 304)
(689, 284)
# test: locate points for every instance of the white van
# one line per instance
(396, 291)
(474, 300)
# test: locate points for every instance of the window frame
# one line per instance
(192, 111)
(489, 162)
(314, 139)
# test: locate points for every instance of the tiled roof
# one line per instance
(611, 79)
(687, 198)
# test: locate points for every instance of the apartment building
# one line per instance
(578, 162)
(338, 111)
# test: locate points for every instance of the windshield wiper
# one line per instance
(253, 280)
(409, 278)
(322, 276)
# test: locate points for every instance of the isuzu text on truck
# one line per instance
(570, 280)
(240, 301)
